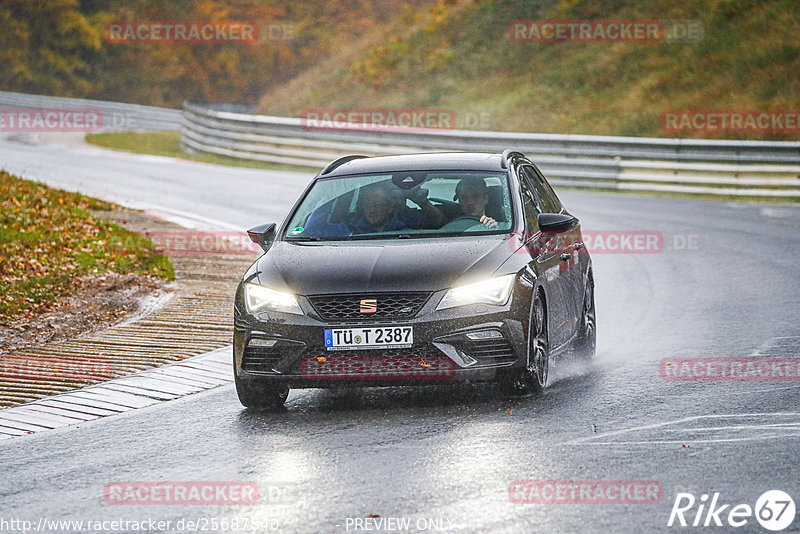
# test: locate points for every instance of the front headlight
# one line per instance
(492, 291)
(258, 298)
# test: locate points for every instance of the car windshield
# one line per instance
(406, 204)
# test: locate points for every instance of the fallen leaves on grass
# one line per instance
(48, 240)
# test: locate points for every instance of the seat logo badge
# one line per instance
(369, 305)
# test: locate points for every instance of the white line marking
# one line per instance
(738, 427)
(593, 440)
(682, 442)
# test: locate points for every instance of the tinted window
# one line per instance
(548, 200)
(529, 206)
(435, 203)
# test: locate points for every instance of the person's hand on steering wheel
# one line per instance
(488, 222)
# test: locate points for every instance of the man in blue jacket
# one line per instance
(378, 216)
(379, 212)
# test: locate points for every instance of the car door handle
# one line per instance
(565, 257)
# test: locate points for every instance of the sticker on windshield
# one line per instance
(296, 231)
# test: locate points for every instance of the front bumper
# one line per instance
(290, 350)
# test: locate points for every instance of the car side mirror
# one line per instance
(263, 235)
(556, 222)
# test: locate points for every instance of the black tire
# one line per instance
(585, 346)
(533, 379)
(259, 396)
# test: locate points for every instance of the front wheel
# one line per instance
(259, 396)
(533, 379)
(586, 343)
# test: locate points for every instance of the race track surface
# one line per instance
(725, 284)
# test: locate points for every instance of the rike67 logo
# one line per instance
(774, 510)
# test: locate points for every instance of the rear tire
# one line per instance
(533, 379)
(585, 346)
(260, 396)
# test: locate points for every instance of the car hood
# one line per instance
(428, 264)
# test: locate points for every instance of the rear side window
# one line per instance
(547, 200)
(529, 206)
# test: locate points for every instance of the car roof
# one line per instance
(433, 161)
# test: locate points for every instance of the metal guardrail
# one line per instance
(742, 168)
(117, 117)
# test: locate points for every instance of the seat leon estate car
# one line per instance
(414, 269)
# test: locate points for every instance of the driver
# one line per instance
(472, 195)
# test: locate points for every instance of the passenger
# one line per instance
(379, 213)
(378, 216)
(472, 195)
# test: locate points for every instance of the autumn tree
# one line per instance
(44, 46)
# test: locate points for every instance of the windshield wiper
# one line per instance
(304, 238)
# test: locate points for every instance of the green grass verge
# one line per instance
(458, 55)
(169, 144)
(48, 239)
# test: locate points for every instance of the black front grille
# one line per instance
(491, 351)
(263, 359)
(389, 306)
(260, 359)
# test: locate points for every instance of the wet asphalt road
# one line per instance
(444, 457)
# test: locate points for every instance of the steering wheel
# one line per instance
(461, 224)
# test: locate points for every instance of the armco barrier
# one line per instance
(742, 168)
(117, 117)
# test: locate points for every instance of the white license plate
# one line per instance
(368, 338)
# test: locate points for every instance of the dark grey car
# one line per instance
(414, 269)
